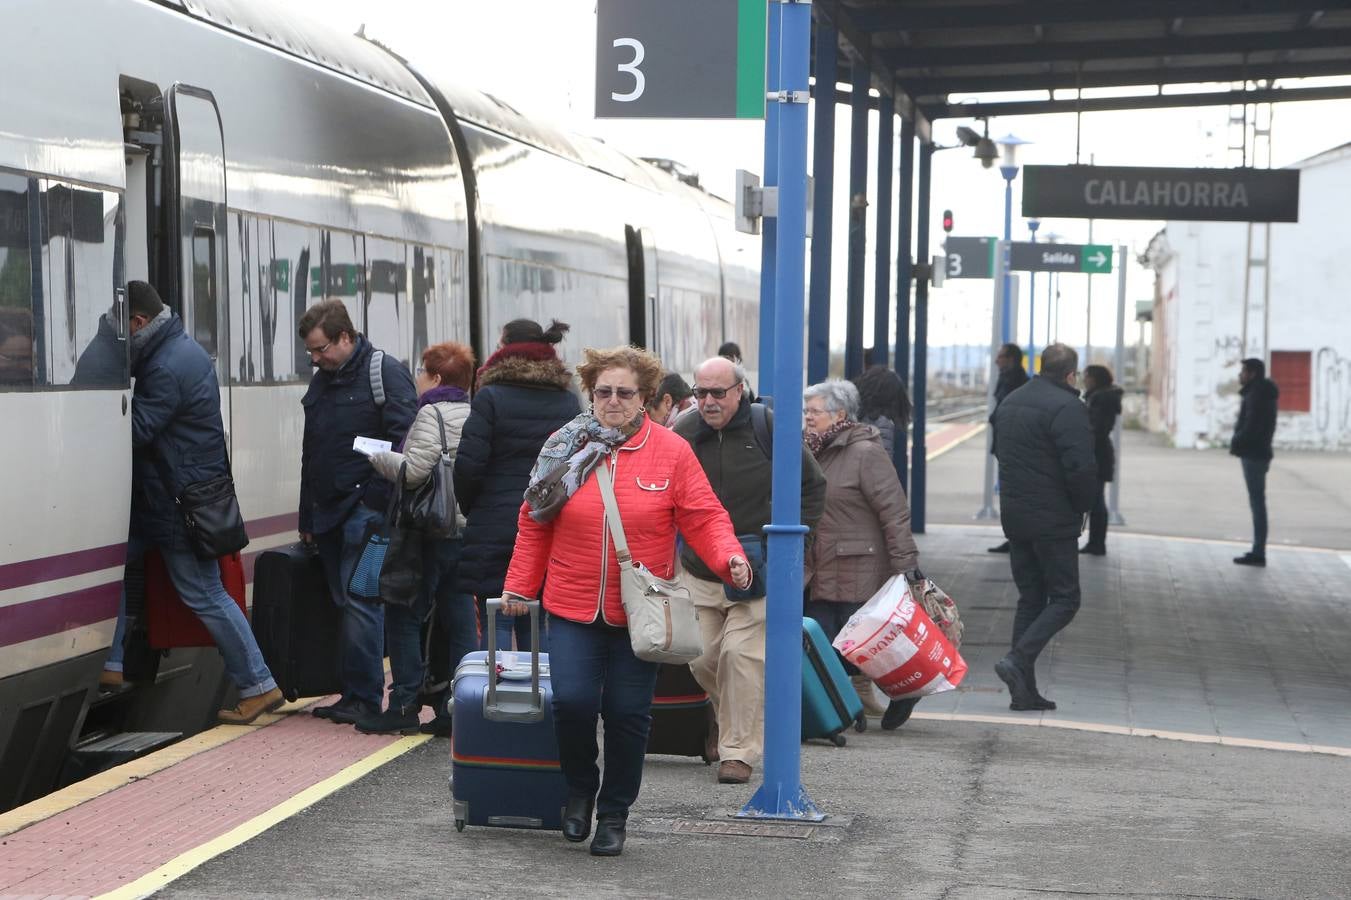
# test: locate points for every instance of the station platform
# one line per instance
(1200, 749)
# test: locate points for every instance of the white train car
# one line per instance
(247, 163)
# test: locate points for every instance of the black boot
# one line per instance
(898, 712)
(1013, 676)
(577, 818)
(1002, 548)
(609, 839)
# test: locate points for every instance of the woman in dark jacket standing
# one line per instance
(1104, 405)
(523, 396)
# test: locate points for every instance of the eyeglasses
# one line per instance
(315, 351)
(605, 393)
(421, 370)
(717, 393)
(813, 412)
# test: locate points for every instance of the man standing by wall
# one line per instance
(1049, 478)
(1252, 445)
(1012, 375)
(732, 667)
(350, 396)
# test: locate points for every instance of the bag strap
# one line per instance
(760, 427)
(377, 374)
(441, 430)
(607, 494)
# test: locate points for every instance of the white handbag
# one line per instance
(663, 623)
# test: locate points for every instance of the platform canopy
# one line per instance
(942, 58)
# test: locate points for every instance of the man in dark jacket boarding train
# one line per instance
(1048, 479)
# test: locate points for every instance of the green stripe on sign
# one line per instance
(750, 59)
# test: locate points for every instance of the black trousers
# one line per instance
(1097, 519)
(1255, 477)
(1047, 575)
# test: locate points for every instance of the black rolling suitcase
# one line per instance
(681, 714)
(296, 622)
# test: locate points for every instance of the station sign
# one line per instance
(969, 257)
(1131, 192)
(1092, 259)
(695, 59)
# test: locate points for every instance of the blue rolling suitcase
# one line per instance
(503, 751)
(829, 702)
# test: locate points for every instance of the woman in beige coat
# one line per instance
(864, 537)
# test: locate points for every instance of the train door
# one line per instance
(195, 180)
(644, 325)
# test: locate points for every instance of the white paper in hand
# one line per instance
(370, 446)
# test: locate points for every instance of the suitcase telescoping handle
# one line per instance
(536, 696)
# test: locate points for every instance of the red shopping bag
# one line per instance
(895, 643)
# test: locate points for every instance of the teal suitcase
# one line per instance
(829, 702)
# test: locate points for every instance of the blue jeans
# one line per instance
(594, 672)
(198, 585)
(403, 625)
(509, 626)
(361, 650)
(1255, 477)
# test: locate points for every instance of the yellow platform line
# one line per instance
(1043, 720)
(930, 457)
(185, 862)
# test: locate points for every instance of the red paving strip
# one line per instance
(120, 836)
(949, 436)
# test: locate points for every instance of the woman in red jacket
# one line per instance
(660, 489)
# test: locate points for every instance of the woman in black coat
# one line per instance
(1104, 405)
(523, 396)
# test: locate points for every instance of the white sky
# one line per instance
(540, 56)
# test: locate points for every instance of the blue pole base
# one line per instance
(782, 803)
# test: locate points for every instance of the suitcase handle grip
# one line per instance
(493, 605)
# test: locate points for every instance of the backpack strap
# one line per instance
(760, 425)
(378, 377)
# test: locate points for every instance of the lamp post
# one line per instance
(1032, 226)
(1009, 169)
(1052, 294)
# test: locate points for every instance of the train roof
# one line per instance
(277, 26)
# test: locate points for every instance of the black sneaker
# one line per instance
(391, 721)
(356, 711)
(898, 712)
(1002, 548)
(1249, 559)
(1091, 550)
(328, 712)
(1015, 679)
(440, 726)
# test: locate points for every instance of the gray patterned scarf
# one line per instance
(568, 457)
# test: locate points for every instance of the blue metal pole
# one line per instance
(886, 114)
(919, 467)
(858, 218)
(823, 171)
(904, 280)
(1009, 173)
(781, 795)
(769, 225)
(1032, 226)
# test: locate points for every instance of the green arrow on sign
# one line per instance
(1096, 259)
(750, 59)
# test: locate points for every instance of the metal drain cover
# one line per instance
(743, 829)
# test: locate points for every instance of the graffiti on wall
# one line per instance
(1229, 349)
(1332, 391)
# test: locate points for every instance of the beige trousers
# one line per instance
(732, 667)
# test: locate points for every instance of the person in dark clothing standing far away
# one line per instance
(521, 399)
(1104, 405)
(732, 667)
(1045, 449)
(1012, 375)
(1252, 445)
(176, 429)
(883, 403)
(354, 393)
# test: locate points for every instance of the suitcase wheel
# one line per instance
(861, 723)
(838, 740)
(291, 695)
(459, 824)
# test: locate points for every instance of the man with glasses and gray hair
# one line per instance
(730, 437)
(1049, 480)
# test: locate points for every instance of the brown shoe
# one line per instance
(733, 771)
(711, 739)
(110, 680)
(251, 708)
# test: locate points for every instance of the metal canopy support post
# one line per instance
(987, 510)
(918, 465)
(823, 173)
(1009, 324)
(1032, 306)
(1119, 362)
(858, 219)
(781, 795)
(904, 280)
(886, 113)
(769, 224)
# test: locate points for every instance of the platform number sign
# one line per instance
(969, 257)
(692, 59)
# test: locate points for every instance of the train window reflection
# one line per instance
(388, 297)
(204, 324)
(293, 246)
(16, 285)
(343, 273)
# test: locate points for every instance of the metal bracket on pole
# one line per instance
(788, 96)
(754, 202)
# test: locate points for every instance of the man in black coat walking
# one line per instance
(1049, 479)
(1252, 445)
(1012, 375)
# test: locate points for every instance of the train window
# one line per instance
(343, 273)
(205, 328)
(287, 294)
(388, 298)
(242, 238)
(452, 319)
(17, 354)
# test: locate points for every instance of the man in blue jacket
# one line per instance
(176, 430)
(1251, 443)
(1049, 479)
(357, 391)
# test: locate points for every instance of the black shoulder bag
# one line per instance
(210, 512)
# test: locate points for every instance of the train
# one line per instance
(249, 162)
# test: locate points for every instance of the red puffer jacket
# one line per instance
(660, 489)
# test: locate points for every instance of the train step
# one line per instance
(105, 751)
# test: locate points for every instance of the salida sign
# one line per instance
(1128, 192)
